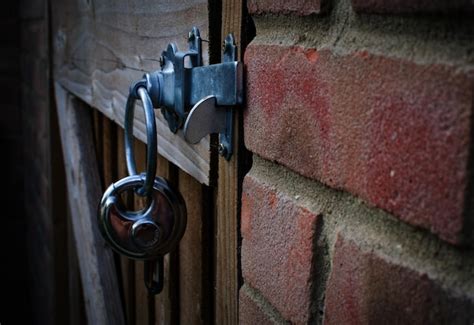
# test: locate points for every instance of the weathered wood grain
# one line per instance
(59, 218)
(143, 313)
(163, 301)
(127, 266)
(102, 46)
(144, 310)
(227, 216)
(97, 267)
(77, 315)
(98, 133)
(195, 282)
(172, 261)
(109, 151)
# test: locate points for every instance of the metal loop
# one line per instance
(147, 187)
(154, 275)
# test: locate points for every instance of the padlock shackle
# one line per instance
(140, 90)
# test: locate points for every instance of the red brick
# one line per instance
(277, 248)
(393, 132)
(252, 311)
(412, 6)
(296, 7)
(366, 287)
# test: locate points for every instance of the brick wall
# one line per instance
(358, 206)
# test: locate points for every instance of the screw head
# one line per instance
(222, 149)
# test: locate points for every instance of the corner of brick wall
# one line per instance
(366, 286)
(277, 253)
(372, 113)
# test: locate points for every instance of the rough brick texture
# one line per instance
(277, 248)
(368, 288)
(412, 6)
(250, 312)
(391, 131)
(299, 8)
(254, 311)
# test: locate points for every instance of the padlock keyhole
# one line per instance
(146, 234)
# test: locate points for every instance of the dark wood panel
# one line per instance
(35, 167)
(33, 9)
(59, 210)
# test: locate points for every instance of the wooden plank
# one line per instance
(163, 301)
(109, 151)
(97, 267)
(98, 142)
(127, 265)
(167, 304)
(144, 310)
(103, 46)
(172, 261)
(143, 313)
(227, 214)
(76, 299)
(59, 215)
(195, 282)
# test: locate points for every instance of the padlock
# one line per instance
(150, 232)
(156, 229)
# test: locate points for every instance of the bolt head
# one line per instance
(222, 149)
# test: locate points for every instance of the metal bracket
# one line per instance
(194, 97)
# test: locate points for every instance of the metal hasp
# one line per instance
(194, 97)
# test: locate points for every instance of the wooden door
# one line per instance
(100, 47)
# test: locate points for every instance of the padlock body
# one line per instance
(145, 234)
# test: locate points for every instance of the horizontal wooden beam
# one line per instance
(101, 47)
